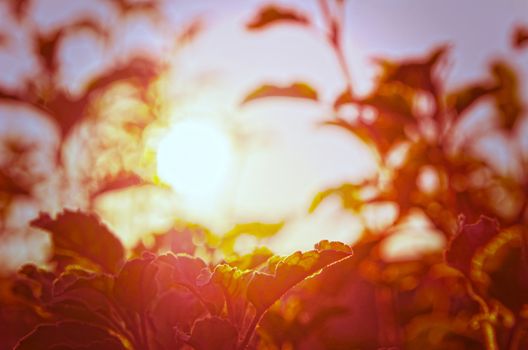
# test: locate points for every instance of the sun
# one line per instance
(195, 157)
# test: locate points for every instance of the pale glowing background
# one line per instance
(275, 156)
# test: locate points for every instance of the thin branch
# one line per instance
(485, 323)
(334, 36)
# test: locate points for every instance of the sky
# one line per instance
(283, 155)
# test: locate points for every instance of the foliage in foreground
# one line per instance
(327, 298)
(174, 294)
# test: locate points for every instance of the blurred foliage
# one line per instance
(173, 290)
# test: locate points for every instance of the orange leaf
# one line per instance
(272, 15)
(264, 289)
(84, 239)
(295, 90)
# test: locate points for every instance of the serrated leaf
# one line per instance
(134, 286)
(186, 271)
(273, 14)
(295, 90)
(264, 289)
(83, 238)
(234, 283)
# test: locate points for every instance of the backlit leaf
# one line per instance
(273, 14)
(264, 289)
(295, 90)
(83, 238)
(134, 286)
(507, 98)
(416, 73)
(464, 98)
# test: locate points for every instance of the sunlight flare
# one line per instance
(195, 158)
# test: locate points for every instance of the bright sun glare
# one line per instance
(194, 158)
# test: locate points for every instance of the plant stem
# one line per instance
(250, 331)
(485, 324)
(334, 37)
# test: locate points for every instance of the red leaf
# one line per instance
(295, 90)
(520, 37)
(84, 238)
(86, 297)
(464, 98)
(175, 308)
(468, 241)
(184, 270)
(34, 284)
(264, 289)
(272, 15)
(415, 73)
(134, 287)
(9, 185)
(213, 333)
(72, 335)
(508, 98)
(234, 283)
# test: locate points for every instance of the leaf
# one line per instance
(83, 296)
(70, 335)
(11, 186)
(256, 229)
(295, 90)
(350, 195)
(234, 283)
(83, 238)
(264, 289)
(391, 102)
(34, 284)
(415, 73)
(344, 98)
(273, 14)
(520, 37)
(213, 333)
(465, 97)
(134, 286)
(185, 270)
(175, 308)
(117, 182)
(250, 261)
(507, 98)
(468, 242)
